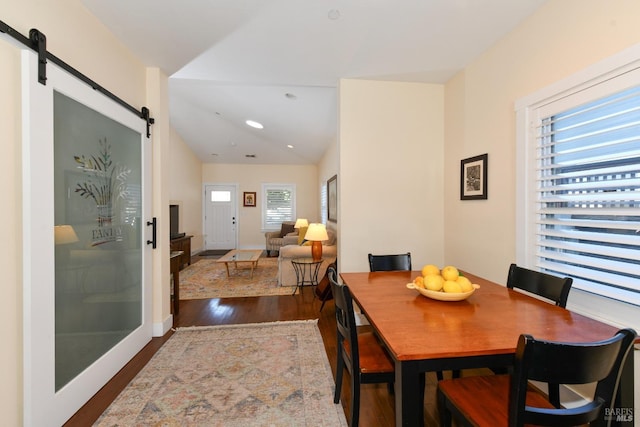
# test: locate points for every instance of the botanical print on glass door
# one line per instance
(98, 258)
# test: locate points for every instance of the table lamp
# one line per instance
(316, 233)
(64, 234)
(301, 224)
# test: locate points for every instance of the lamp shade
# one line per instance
(301, 222)
(316, 233)
(64, 234)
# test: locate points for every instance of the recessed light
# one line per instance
(334, 14)
(254, 124)
(289, 146)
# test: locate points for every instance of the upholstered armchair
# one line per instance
(287, 235)
(286, 273)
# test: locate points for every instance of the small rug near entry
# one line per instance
(266, 374)
(213, 252)
(207, 278)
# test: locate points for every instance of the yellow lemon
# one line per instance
(433, 282)
(450, 273)
(464, 283)
(430, 269)
(419, 282)
(452, 287)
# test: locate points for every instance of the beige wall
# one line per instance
(480, 117)
(251, 178)
(75, 36)
(187, 177)
(391, 149)
(399, 148)
(80, 40)
(157, 102)
(327, 168)
(185, 189)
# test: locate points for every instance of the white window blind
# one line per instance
(324, 204)
(587, 210)
(278, 205)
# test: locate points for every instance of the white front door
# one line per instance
(220, 216)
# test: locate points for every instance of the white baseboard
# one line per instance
(159, 329)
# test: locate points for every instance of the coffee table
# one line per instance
(241, 255)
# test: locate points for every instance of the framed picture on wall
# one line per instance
(332, 199)
(250, 199)
(473, 178)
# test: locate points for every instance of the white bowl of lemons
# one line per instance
(443, 285)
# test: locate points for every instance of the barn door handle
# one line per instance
(152, 223)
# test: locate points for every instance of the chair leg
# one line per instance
(445, 414)
(554, 395)
(323, 303)
(423, 384)
(355, 401)
(339, 372)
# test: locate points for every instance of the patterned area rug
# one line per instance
(208, 279)
(267, 374)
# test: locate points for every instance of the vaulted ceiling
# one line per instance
(279, 62)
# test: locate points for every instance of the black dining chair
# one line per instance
(501, 400)
(361, 354)
(553, 288)
(396, 262)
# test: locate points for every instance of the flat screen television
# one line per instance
(174, 221)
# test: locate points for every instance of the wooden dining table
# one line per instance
(424, 334)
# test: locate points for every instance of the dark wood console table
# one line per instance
(182, 244)
(176, 257)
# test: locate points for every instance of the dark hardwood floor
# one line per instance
(377, 405)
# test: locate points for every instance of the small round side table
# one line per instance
(306, 272)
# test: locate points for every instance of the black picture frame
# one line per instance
(473, 178)
(332, 199)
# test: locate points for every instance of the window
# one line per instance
(582, 191)
(278, 205)
(324, 203)
(220, 196)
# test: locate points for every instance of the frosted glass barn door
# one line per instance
(98, 257)
(86, 261)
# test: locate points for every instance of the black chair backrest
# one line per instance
(346, 323)
(546, 285)
(399, 262)
(568, 363)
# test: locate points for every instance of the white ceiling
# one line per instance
(232, 60)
